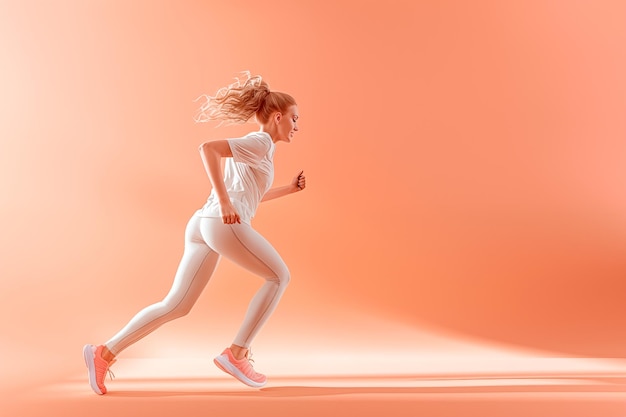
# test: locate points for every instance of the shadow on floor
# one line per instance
(365, 386)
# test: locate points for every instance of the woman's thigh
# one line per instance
(245, 246)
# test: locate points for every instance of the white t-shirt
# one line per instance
(247, 175)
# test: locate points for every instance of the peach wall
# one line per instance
(465, 163)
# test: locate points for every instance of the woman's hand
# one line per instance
(229, 213)
(299, 181)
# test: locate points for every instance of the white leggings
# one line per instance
(206, 239)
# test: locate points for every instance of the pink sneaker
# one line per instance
(240, 369)
(97, 367)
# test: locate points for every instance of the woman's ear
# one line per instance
(277, 116)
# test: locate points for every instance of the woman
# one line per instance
(222, 227)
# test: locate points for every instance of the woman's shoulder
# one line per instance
(262, 136)
(259, 139)
(257, 143)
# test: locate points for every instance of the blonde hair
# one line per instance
(248, 96)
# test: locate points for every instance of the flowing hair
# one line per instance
(248, 96)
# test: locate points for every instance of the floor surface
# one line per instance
(570, 388)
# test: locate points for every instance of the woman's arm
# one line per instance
(212, 153)
(297, 184)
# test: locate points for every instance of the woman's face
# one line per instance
(288, 124)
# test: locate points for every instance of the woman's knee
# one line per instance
(283, 277)
(174, 310)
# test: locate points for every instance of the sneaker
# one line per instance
(240, 369)
(97, 368)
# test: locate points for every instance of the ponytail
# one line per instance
(248, 96)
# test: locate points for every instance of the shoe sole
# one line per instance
(91, 367)
(224, 364)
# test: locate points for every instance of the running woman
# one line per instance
(222, 227)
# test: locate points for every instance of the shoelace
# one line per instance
(249, 356)
(109, 371)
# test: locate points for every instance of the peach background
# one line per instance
(465, 163)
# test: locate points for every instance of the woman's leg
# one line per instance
(194, 271)
(246, 247)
